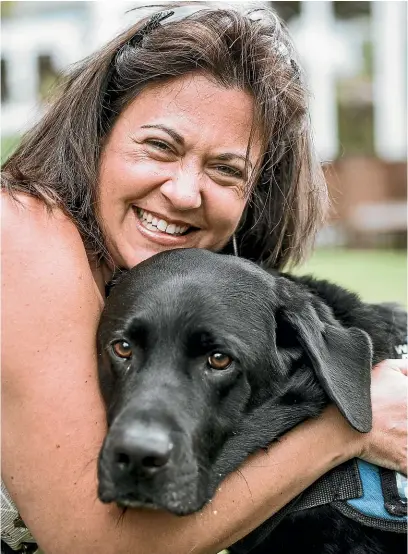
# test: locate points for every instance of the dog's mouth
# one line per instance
(108, 493)
(129, 502)
(174, 502)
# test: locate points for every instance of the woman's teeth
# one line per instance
(152, 223)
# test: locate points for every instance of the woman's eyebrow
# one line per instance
(230, 156)
(225, 156)
(174, 135)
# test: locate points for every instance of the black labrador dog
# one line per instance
(206, 358)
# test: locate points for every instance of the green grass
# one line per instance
(8, 144)
(376, 275)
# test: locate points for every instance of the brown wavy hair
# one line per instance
(58, 160)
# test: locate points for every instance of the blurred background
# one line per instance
(355, 56)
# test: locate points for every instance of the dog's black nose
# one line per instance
(141, 448)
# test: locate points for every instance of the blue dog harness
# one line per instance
(368, 494)
(382, 502)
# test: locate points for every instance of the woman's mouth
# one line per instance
(161, 231)
(153, 223)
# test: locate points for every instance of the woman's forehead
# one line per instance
(196, 104)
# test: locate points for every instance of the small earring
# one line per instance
(234, 245)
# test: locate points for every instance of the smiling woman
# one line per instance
(185, 145)
(190, 129)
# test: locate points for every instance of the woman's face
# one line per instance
(172, 172)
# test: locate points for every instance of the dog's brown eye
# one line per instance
(218, 360)
(122, 349)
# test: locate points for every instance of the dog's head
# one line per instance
(191, 345)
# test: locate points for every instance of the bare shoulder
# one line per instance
(42, 248)
(30, 230)
(46, 276)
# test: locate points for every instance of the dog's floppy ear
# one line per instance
(341, 358)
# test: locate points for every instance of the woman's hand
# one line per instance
(386, 444)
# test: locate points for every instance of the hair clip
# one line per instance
(152, 24)
(177, 14)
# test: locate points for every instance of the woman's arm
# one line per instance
(54, 421)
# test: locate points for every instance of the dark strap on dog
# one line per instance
(395, 496)
(337, 487)
(338, 484)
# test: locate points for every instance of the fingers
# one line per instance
(402, 366)
(396, 365)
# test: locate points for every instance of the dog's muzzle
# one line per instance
(149, 465)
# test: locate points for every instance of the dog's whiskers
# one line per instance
(121, 516)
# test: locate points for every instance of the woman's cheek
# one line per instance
(230, 204)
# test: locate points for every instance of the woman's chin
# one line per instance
(132, 252)
(134, 255)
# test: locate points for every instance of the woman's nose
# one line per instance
(183, 190)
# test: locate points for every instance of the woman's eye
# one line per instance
(122, 349)
(159, 145)
(219, 361)
(230, 171)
